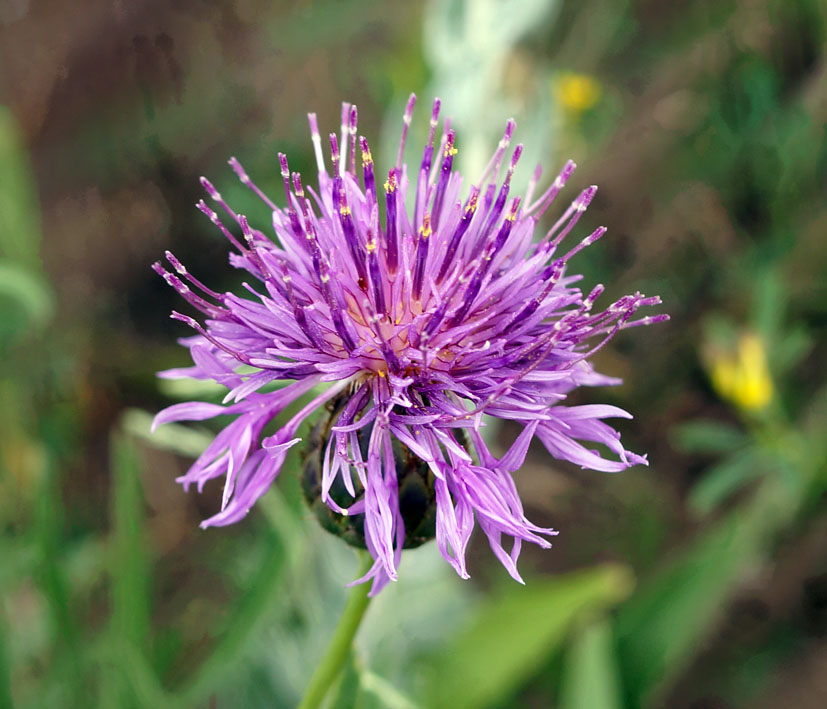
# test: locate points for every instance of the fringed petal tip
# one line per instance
(380, 577)
(187, 411)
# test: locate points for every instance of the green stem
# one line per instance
(334, 658)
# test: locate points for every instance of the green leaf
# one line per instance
(26, 300)
(788, 350)
(347, 691)
(770, 300)
(661, 627)
(19, 211)
(5, 669)
(191, 389)
(385, 694)
(590, 676)
(724, 479)
(130, 557)
(707, 436)
(51, 575)
(514, 633)
(174, 437)
(285, 547)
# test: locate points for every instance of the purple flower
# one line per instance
(424, 307)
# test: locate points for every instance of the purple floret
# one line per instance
(427, 319)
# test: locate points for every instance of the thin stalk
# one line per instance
(335, 656)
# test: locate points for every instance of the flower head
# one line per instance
(411, 308)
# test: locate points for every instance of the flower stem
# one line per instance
(336, 654)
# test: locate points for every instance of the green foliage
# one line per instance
(515, 630)
(26, 301)
(131, 581)
(590, 675)
(5, 670)
(707, 436)
(723, 479)
(19, 214)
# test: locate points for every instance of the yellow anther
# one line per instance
(367, 159)
(344, 210)
(425, 230)
(450, 150)
(390, 183)
(371, 246)
(382, 374)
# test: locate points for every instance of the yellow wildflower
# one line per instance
(743, 377)
(576, 92)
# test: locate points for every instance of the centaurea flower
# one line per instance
(411, 319)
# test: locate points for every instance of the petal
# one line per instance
(187, 411)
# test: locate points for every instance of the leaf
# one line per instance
(26, 300)
(707, 436)
(514, 633)
(347, 692)
(194, 389)
(789, 350)
(177, 438)
(5, 668)
(386, 695)
(285, 547)
(130, 567)
(661, 627)
(590, 675)
(724, 479)
(769, 303)
(19, 212)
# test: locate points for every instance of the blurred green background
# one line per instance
(700, 581)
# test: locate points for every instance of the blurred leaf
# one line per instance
(387, 696)
(465, 44)
(143, 682)
(130, 566)
(707, 436)
(5, 668)
(346, 692)
(284, 546)
(590, 677)
(722, 480)
(174, 437)
(191, 389)
(514, 633)
(208, 390)
(790, 349)
(26, 300)
(19, 220)
(770, 301)
(659, 628)
(662, 626)
(52, 581)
